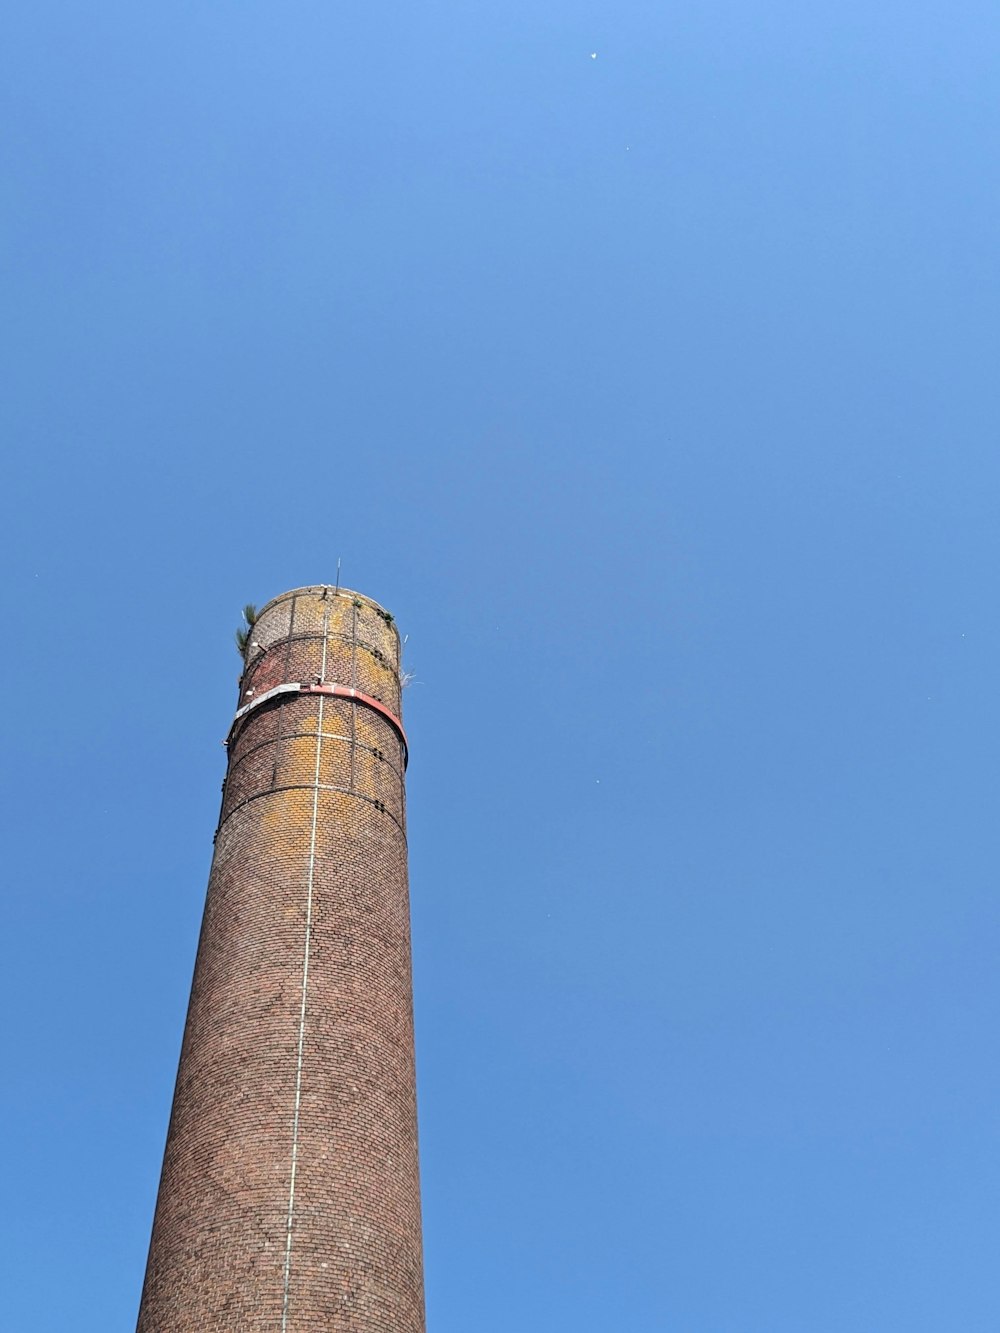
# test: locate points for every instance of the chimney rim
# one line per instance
(331, 590)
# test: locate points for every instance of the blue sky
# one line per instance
(656, 395)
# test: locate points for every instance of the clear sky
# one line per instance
(656, 395)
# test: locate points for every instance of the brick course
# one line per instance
(289, 1200)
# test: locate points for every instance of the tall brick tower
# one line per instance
(289, 1200)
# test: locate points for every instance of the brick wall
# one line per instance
(289, 1199)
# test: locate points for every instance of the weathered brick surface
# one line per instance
(289, 1200)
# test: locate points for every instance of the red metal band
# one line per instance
(321, 687)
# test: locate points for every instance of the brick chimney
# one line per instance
(289, 1200)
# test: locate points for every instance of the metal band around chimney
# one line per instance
(323, 688)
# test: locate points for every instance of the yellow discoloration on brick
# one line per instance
(335, 763)
(345, 811)
(365, 764)
(383, 680)
(309, 721)
(285, 810)
(298, 760)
